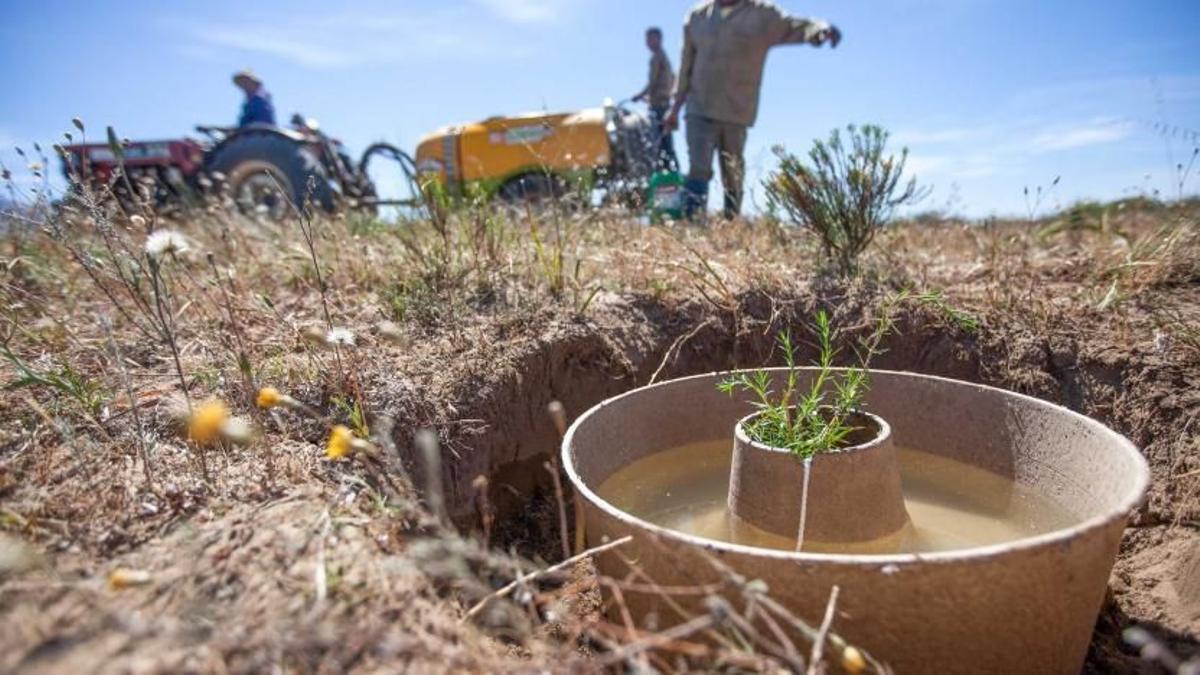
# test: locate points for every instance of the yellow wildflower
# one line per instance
(120, 578)
(853, 661)
(269, 397)
(341, 442)
(206, 424)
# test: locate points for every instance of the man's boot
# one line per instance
(695, 199)
(733, 208)
(733, 204)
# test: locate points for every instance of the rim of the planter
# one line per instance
(965, 555)
(884, 433)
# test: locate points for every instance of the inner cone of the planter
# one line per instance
(850, 498)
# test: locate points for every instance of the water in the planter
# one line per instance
(952, 505)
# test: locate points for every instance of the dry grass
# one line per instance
(259, 552)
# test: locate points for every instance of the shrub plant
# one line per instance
(846, 192)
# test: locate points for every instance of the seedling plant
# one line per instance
(808, 421)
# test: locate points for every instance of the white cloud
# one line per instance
(978, 166)
(274, 43)
(528, 11)
(1094, 133)
(920, 165)
(935, 136)
(964, 152)
(975, 165)
(341, 40)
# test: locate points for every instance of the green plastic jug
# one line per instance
(665, 196)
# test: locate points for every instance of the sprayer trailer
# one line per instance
(537, 156)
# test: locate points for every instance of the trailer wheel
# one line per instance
(271, 172)
(532, 188)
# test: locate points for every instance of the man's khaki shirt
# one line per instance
(662, 80)
(723, 56)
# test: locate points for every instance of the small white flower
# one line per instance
(340, 336)
(166, 241)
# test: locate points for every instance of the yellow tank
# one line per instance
(536, 154)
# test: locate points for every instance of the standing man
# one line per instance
(257, 109)
(725, 45)
(657, 95)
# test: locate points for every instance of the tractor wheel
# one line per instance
(532, 188)
(267, 171)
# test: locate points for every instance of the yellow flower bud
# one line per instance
(341, 442)
(269, 397)
(853, 661)
(120, 578)
(206, 422)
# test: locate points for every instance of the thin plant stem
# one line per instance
(118, 360)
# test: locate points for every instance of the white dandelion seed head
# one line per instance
(340, 336)
(237, 430)
(163, 242)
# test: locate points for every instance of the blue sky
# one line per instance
(990, 96)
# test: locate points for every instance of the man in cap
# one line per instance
(657, 95)
(257, 109)
(725, 45)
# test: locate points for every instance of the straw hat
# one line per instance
(246, 76)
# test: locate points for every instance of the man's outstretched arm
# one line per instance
(783, 28)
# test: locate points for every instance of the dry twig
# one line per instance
(526, 578)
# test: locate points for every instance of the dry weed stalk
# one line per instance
(558, 415)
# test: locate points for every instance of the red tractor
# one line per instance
(261, 167)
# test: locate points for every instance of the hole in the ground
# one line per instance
(583, 370)
(583, 366)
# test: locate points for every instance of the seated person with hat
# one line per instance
(257, 108)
